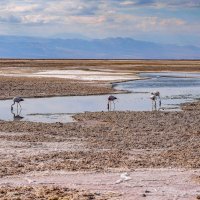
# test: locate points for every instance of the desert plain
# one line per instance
(86, 159)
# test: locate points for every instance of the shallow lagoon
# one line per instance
(175, 88)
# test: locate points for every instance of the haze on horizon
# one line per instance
(161, 21)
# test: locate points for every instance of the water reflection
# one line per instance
(17, 114)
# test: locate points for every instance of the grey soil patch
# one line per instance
(100, 141)
(47, 192)
(159, 184)
(42, 87)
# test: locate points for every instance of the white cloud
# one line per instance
(20, 8)
(105, 18)
(127, 3)
(161, 3)
(155, 23)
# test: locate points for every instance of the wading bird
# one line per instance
(153, 98)
(111, 99)
(16, 100)
(157, 95)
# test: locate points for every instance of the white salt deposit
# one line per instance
(78, 75)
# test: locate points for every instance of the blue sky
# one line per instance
(171, 21)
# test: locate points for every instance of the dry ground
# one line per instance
(42, 87)
(123, 65)
(102, 142)
(47, 193)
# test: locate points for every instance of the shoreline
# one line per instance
(102, 85)
(79, 87)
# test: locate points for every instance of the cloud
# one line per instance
(183, 3)
(160, 3)
(127, 3)
(10, 19)
(86, 11)
(102, 18)
(155, 23)
(136, 23)
(21, 8)
(137, 3)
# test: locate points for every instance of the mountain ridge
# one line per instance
(108, 48)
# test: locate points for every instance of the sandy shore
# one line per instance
(84, 159)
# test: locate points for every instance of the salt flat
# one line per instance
(160, 150)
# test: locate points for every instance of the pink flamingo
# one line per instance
(111, 99)
(16, 100)
(157, 95)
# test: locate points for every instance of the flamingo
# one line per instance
(153, 98)
(157, 95)
(110, 100)
(16, 100)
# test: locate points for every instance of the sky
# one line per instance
(162, 21)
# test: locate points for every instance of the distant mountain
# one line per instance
(109, 48)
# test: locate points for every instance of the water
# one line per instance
(175, 88)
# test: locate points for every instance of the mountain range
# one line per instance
(108, 48)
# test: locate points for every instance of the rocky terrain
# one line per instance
(102, 142)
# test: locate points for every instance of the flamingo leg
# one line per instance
(12, 106)
(160, 103)
(153, 105)
(109, 105)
